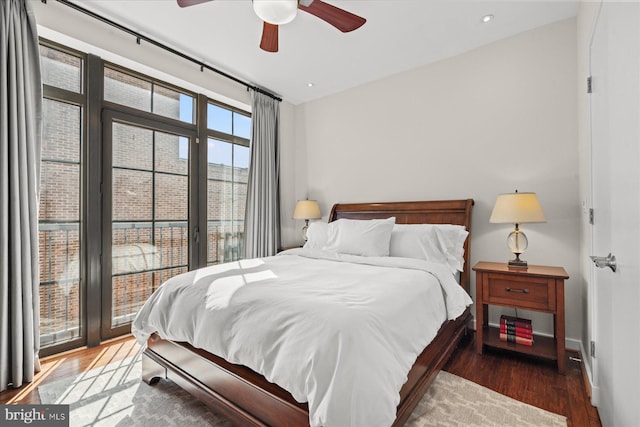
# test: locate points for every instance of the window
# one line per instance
(61, 69)
(150, 200)
(225, 120)
(227, 178)
(102, 256)
(60, 198)
(146, 161)
(144, 94)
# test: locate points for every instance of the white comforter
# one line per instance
(337, 331)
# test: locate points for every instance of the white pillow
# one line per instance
(369, 237)
(317, 235)
(442, 243)
(452, 238)
(417, 241)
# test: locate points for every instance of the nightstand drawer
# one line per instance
(525, 292)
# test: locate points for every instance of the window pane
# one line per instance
(241, 161)
(129, 293)
(172, 153)
(183, 148)
(239, 204)
(186, 108)
(171, 197)
(225, 203)
(127, 90)
(170, 103)
(241, 125)
(220, 153)
(163, 275)
(56, 203)
(223, 241)
(60, 69)
(59, 223)
(219, 119)
(59, 282)
(132, 195)
(61, 131)
(172, 242)
(150, 215)
(132, 147)
(133, 258)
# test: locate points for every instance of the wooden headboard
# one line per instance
(428, 212)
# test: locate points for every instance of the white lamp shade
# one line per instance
(307, 209)
(517, 208)
(277, 12)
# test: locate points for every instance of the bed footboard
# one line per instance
(248, 399)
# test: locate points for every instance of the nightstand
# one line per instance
(537, 288)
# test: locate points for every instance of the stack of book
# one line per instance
(516, 329)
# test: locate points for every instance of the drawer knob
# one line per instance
(522, 291)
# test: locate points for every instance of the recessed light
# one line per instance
(311, 84)
(487, 18)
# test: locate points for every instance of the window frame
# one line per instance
(92, 263)
(114, 116)
(81, 100)
(207, 133)
(154, 82)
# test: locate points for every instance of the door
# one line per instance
(615, 169)
(147, 224)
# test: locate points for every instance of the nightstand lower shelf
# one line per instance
(544, 347)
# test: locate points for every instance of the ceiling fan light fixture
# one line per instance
(277, 12)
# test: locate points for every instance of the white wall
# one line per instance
(488, 121)
(495, 119)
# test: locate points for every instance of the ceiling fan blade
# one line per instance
(269, 41)
(187, 3)
(339, 18)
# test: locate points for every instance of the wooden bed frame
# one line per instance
(247, 398)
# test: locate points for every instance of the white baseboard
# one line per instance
(595, 391)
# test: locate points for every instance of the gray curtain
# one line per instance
(20, 141)
(262, 215)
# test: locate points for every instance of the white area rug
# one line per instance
(114, 395)
(454, 401)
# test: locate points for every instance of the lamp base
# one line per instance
(517, 263)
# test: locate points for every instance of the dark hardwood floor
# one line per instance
(532, 381)
(527, 379)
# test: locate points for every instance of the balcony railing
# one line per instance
(144, 255)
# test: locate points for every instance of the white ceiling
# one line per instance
(399, 35)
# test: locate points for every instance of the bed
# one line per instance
(247, 398)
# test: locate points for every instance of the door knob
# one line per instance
(605, 261)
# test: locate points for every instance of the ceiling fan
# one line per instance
(279, 12)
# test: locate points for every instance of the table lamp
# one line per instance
(517, 208)
(306, 209)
